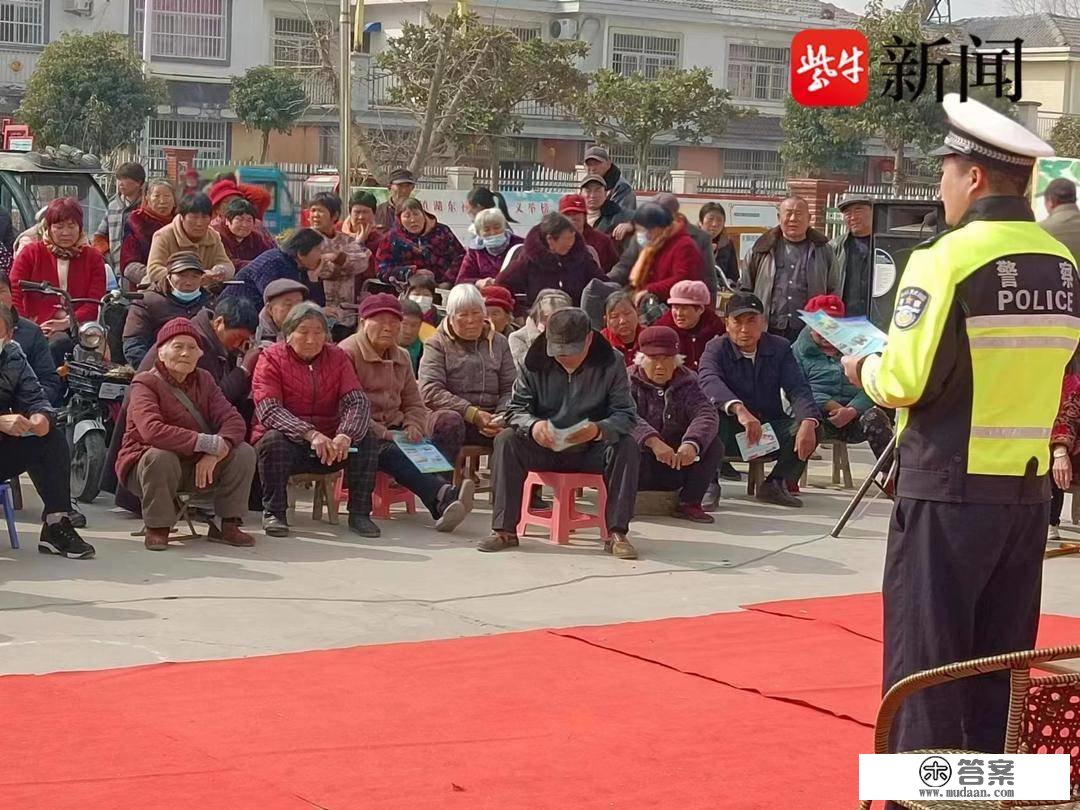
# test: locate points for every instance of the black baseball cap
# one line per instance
(566, 332)
(743, 302)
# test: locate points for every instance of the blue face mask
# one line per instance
(642, 238)
(186, 297)
(494, 243)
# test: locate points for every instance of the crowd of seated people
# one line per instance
(257, 360)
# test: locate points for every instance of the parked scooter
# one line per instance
(95, 387)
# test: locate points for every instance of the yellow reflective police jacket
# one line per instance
(986, 318)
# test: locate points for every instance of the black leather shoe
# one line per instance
(363, 526)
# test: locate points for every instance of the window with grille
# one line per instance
(296, 41)
(329, 145)
(525, 33)
(758, 72)
(186, 29)
(659, 158)
(211, 138)
(644, 53)
(22, 22)
(755, 163)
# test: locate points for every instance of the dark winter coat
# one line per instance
(619, 189)
(726, 375)
(612, 214)
(145, 317)
(726, 258)
(823, 275)
(20, 391)
(246, 250)
(679, 412)
(607, 252)
(535, 268)
(598, 390)
(826, 375)
(267, 267)
(692, 342)
(36, 348)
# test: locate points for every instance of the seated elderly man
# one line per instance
(385, 370)
(677, 425)
(743, 373)
(30, 443)
(466, 375)
(847, 413)
(279, 298)
(34, 345)
(311, 416)
(693, 319)
(182, 435)
(572, 378)
(183, 296)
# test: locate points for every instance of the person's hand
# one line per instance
(214, 275)
(851, 369)
(639, 296)
(805, 439)
(484, 282)
(1062, 472)
(251, 357)
(39, 424)
(54, 325)
(622, 230)
(324, 448)
(341, 443)
(686, 455)
(842, 416)
(587, 434)
(338, 258)
(482, 419)
(662, 450)
(14, 424)
(204, 469)
(413, 434)
(750, 423)
(542, 435)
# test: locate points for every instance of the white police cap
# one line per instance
(980, 132)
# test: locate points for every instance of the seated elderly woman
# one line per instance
(500, 309)
(466, 375)
(692, 317)
(65, 260)
(668, 253)
(490, 251)
(190, 231)
(182, 435)
(240, 237)
(279, 297)
(157, 210)
(677, 426)
(299, 259)
(311, 417)
(547, 302)
(419, 242)
(387, 377)
(622, 325)
(183, 297)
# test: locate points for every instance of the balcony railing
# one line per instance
(318, 86)
(1047, 120)
(379, 87)
(16, 66)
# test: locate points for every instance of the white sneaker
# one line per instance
(1053, 534)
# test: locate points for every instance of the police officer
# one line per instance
(986, 318)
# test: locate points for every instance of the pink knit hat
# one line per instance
(175, 328)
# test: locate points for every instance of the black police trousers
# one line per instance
(961, 581)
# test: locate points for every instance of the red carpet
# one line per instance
(737, 710)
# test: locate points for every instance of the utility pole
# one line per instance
(147, 39)
(345, 102)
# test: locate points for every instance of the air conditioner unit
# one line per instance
(84, 7)
(564, 28)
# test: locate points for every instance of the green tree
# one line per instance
(89, 91)
(1065, 136)
(269, 100)
(682, 104)
(812, 145)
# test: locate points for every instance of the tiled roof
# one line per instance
(1037, 30)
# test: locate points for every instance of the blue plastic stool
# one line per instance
(9, 513)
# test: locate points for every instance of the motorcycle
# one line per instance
(96, 387)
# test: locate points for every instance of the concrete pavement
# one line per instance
(326, 588)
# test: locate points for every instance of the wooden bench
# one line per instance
(325, 494)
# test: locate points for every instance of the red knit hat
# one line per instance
(496, 296)
(829, 304)
(222, 190)
(175, 328)
(378, 304)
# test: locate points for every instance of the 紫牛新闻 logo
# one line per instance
(830, 67)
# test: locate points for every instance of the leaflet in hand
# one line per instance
(424, 455)
(854, 336)
(768, 443)
(562, 435)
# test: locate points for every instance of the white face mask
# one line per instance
(423, 301)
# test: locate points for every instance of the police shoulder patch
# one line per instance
(911, 303)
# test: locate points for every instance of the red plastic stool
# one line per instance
(564, 516)
(387, 492)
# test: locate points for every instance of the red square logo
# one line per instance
(829, 67)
